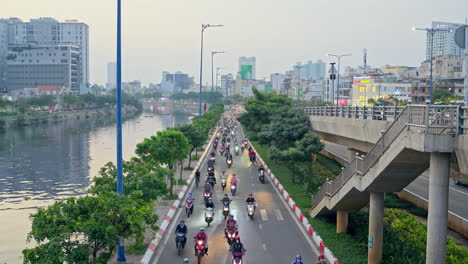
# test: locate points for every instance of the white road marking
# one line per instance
(279, 215)
(260, 226)
(264, 246)
(234, 213)
(264, 215)
(462, 192)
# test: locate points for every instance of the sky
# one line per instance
(165, 35)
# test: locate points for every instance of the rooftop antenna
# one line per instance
(364, 57)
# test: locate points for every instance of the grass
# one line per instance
(393, 201)
(181, 182)
(137, 248)
(195, 157)
(344, 246)
(200, 149)
(188, 168)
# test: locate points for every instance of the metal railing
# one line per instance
(429, 119)
(359, 112)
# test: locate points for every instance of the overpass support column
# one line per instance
(438, 208)
(341, 221)
(376, 215)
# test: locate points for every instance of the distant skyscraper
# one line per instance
(111, 75)
(444, 42)
(248, 68)
(277, 82)
(310, 70)
(226, 83)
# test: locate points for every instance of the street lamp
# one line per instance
(431, 31)
(212, 73)
(338, 75)
(204, 26)
(120, 247)
(217, 74)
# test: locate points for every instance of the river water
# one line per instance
(44, 163)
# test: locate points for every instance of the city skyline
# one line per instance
(172, 43)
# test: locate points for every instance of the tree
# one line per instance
(71, 230)
(441, 94)
(166, 147)
(195, 136)
(143, 180)
(291, 156)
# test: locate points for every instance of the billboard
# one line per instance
(246, 72)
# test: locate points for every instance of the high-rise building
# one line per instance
(111, 75)
(226, 83)
(277, 82)
(444, 41)
(181, 82)
(310, 70)
(49, 31)
(247, 68)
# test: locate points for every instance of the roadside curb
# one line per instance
(318, 241)
(149, 254)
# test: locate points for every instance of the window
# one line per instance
(362, 89)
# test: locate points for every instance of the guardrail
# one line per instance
(430, 119)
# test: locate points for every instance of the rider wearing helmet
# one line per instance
(250, 199)
(298, 260)
(197, 175)
(237, 247)
(261, 168)
(182, 228)
(209, 203)
(203, 237)
(234, 180)
(231, 223)
(226, 199)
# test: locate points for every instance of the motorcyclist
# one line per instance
(226, 199)
(208, 187)
(209, 203)
(190, 197)
(182, 228)
(321, 259)
(211, 174)
(251, 199)
(237, 246)
(211, 179)
(234, 180)
(197, 175)
(203, 237)
(231, 223)
(213, 154)
(298, 260)
(224, 175)
(261, 168)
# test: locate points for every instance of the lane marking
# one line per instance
(264, 246)
(451, 188)
(260, 226)
(279, 215)
(264, 215)
(234, 213)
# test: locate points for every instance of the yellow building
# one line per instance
(365, 88)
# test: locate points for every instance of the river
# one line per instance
(43, 163)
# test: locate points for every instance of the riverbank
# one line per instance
(35, 118)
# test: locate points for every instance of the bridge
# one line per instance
(172, 106)
(400, 143)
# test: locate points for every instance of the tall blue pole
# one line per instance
(120, 249)
(201, 73)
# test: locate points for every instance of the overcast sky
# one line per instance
(165, 34)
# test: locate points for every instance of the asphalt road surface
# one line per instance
(273, 236)
(458, 195)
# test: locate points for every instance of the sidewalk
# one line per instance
(162, 207)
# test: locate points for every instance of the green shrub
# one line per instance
(195, 157)
(2, 123)
(188, 168)
(393, 201)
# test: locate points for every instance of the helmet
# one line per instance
(209, 198)
(190, 193)
(202, 229)
(225, 195)
(182, 221)
(250, 195)
(231, 217)
(298, 257)
(186, 260)
(237, 237)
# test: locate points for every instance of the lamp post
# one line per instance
(338, 75)
(203, 27)
(431, 31)
(120, 248)
(217, 74)
(212, 77)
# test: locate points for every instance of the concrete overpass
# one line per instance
(171, 106)
(401, 143)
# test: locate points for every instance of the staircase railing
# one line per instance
(431, 119)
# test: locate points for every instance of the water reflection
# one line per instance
(52, 161)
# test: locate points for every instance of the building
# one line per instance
(47, 32)
(365, 88)
(111, 75)
(3, 54)
(247, 68)
(131, 87)
(277, 82)
(226, 84)
(445, 66)
(400, 71)
(182, 82)
(310, 70)
(43, 65)
(444, 41)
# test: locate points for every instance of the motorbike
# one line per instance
(199, 250)
(233, 190)
(213, 160)
(206, 195)
(231, 236)
(236, 149)
(229, 163)
(261, 176)
(223, 184)
(210, 169)
(209, 214)
(180, 242)
(189, 208)
(252, 158)
(225, 209)
(250, 210)
(237, 258)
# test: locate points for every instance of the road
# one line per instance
(458, 195)
(273, 236)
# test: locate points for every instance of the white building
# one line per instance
(310, 70)
(277, 82)
(444, 42)
(226, 83)
(111, 75)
